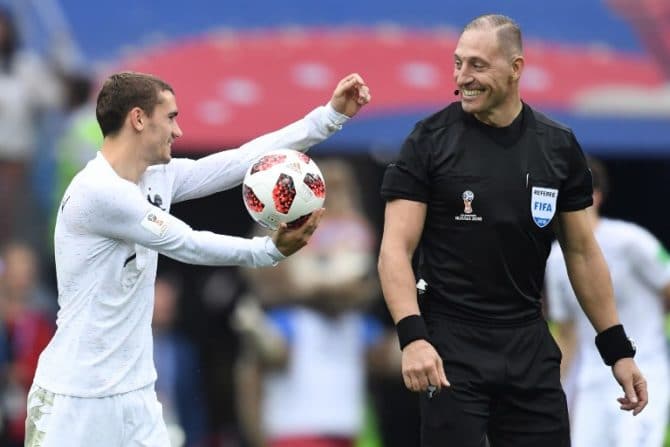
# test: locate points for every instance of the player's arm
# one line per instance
(123, 214)
(403, 225)
(226, 169)
(590, 279)
(261, 334)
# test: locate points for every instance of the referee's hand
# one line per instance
(633, 383)
(422, 367)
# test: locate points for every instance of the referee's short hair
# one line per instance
(599, 175)
(508, 31)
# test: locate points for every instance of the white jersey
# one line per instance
(639, 269)
(108, 234)
(324, 382)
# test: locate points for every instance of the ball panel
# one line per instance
(250, 200)
(304, 157)
(283, 193)
(315, 183)
(267, 161)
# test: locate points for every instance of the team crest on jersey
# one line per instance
(543, 205)
(157, 201)
(468, 214)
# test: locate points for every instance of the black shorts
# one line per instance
(505, 384)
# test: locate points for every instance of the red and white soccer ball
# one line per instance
(283, 186)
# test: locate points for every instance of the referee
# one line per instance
(476, 197)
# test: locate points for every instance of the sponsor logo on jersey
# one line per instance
(467, 214)
(543, 205)
(155, 223)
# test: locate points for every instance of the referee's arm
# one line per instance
(587, 269)
(591, 281)
(422, 367)
(403, 225)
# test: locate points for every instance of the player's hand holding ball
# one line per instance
(288, 241)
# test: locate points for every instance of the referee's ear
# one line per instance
(518, 63)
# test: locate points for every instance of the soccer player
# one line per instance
(640, 269)
(479, 190)
(94, 384)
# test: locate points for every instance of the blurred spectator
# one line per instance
(28, 86)
(82, 136)
(26, 327)
(20, 279)
(178, 385)
(396, 408)
(211, 325)
(651, 20)
(640, 269)
(310, 352)
(78, 141)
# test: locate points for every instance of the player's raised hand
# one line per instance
(288, 241)
(350, 95)
(633, 383)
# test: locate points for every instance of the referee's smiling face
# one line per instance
(483, 73)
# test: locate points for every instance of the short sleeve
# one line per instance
(577, 189)
(408, 177)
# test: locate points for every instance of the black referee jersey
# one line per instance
(492, 195)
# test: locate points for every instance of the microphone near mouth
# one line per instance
(457, 92)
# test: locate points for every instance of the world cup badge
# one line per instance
(468, 196)
(468, 215)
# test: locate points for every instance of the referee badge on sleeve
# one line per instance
(543, 205)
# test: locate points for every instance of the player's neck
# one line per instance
(122, 157)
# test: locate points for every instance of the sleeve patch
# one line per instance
(155, 223)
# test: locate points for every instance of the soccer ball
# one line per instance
(283, 186)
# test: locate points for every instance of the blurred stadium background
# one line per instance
(242, 68)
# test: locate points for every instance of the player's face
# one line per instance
(162, 129)
(483, 73)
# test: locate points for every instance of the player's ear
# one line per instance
(137, 118)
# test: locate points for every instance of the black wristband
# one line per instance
(614, 344)
(411, 328)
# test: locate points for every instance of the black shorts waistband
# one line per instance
(481, 320)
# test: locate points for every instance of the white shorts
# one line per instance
(129, 419)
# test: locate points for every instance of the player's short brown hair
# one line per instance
(123, 91)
